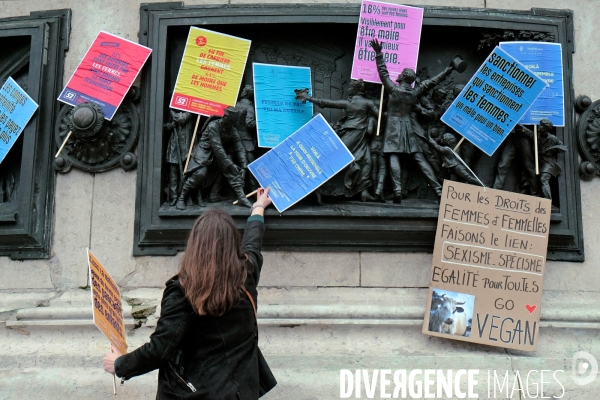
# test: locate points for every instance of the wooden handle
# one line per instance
(459, 143)
(191, 144)
(63, 144)
(535, 147)
(380, 110)
(248, 195)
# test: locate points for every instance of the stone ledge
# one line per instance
(316, 306)
(129, 323)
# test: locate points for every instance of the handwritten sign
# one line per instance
(398, 28)
(106, 73)
(210, 73)
(493, 101)
(278, 113)
(106, 304)
(488, 267)
(301, 163)
(16, 109)
(544, 60)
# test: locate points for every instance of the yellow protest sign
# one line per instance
(210, 73)
(106, 304)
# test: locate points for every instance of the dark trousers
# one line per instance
(426, 170)
(512, 148)
(378, 171)
(174, 181)
(545, 180)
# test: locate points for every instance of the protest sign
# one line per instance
(210, 73)
(278, 113)
(544, 60)
(16, 109)
(488, 267)
(301, 163)
(398, 28)
(106, 73)
(106, 299)
(493, 101)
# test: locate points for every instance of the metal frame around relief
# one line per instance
(26, 220)
(342, 228)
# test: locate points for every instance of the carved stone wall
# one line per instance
(344, 223)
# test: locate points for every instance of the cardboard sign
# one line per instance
(278, 114)
(210, 73)
(106, 73)
(106, 304)
(544, 60)
(16, 109)
(398, 29)
(494, 101)
(488, 267)
(301, 163)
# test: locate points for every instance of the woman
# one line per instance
(206, 340)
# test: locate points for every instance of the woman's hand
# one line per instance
(262, 199)
(109, 359)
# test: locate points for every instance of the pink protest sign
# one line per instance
(398, 28)
(106, 73)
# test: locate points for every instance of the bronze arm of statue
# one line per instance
(456, 64)
(302, 95)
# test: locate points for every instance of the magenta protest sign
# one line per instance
(398, 28)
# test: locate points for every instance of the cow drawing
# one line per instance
(448, 317)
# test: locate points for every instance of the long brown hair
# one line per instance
(212, 271)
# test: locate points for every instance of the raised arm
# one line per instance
(384, 75)
(253, 234)
(441, 149)
(430, 83)
(524, 131)
(302, 95)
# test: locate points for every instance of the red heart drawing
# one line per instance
(529, 308)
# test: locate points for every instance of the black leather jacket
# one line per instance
(202, 357)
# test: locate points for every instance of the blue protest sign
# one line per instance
(16, 109)
(544, 60)
(493, 101)
(278, 113)
(301, 163)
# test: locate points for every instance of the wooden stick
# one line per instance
(114, 378)
(470, 170)
(455, 148)
(192, 144)
(248, 195)
(380, 110)
(535, 146)
(63, 145)
(459, 143)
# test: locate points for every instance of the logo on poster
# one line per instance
(181, 101)
(201, 41)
